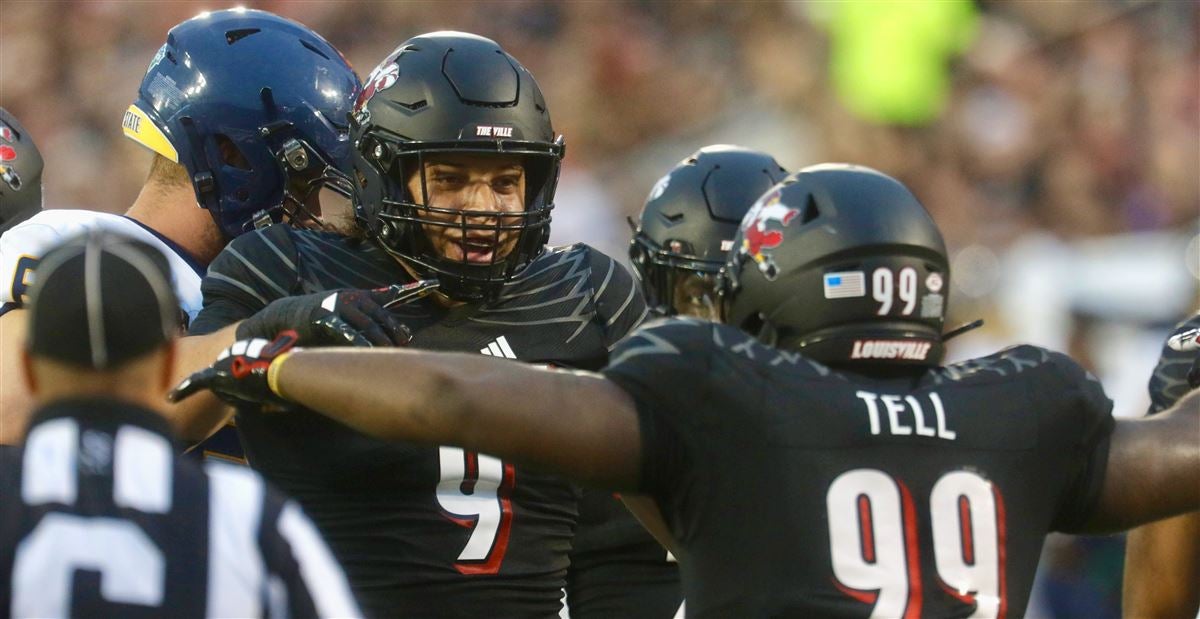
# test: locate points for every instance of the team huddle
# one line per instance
(346, 285)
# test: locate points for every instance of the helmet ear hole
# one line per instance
(811, 211)
(231, 155)
(753, 324)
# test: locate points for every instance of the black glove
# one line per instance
(1188, 341)
(338, 318)
(239, 375)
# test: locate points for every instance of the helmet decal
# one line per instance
(139, 128)
(759, 237)
(660, 188)
(382, 78)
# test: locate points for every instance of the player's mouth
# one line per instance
(478, 250)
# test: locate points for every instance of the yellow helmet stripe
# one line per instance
(139, 128)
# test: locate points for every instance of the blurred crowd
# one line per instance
(1057, 144)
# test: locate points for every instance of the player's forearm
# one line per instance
(198, 417)
(1153, 468)
(1162, 569)
(16, 403)
(580, 426)
(386, 394)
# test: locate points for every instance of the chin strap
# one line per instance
(961, 329)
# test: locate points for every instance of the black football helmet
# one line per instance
(452, 92)
(842, 263)
(20, 173)
(688, 223)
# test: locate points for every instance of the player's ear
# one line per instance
(27, 374)
(166, 378)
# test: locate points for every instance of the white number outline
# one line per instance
(877, 566)
(485, 506)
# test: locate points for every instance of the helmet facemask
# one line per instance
(316, 193)
(472, 239)
(674, 280)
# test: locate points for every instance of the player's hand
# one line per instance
(338, 318)
(239, 375)
(1188, 341)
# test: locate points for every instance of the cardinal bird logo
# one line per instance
(382, 78)
(759, 236)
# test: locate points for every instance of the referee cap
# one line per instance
(100, 300)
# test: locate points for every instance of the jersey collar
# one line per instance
(102, 414)
(183, 254)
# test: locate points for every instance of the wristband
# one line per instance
(273, 373)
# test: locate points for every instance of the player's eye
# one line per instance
(506, 184)
(443, 180)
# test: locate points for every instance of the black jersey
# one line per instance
(798, 490)
(101, 518)
(617, 568)
(427, 531)
(1169, 381)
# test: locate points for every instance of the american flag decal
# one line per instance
(845, 285)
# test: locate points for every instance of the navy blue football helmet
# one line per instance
(254, 106)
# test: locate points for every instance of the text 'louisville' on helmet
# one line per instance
(255, 107)
(20, 173)
(844, 264)
(453, 94)
(688, 223)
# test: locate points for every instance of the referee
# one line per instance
(98, 515)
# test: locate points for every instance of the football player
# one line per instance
(245, 112)
(679, 244)
(810, 457)
(20, 173)
(1162, 560)
(455, 165)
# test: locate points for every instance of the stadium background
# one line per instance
(1057, 144)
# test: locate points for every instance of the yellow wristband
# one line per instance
(273, 373)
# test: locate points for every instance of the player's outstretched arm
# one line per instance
(1162, 559)
(1153, 469)
(574, 423)
(197, 418)
(1162, 569)
(15, 401)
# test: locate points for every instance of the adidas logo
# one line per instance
(499, 348)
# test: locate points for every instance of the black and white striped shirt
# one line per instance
(101, 517)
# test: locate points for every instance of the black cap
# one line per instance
(101, 300)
